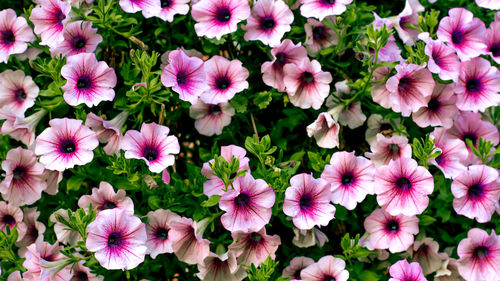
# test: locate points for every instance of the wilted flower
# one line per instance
(296, 266)
(109, 132)
(425, 252)
(104, 198)
(377, 124)
(64, 234)
(385, 149)
(21, 128)
(325, 130)
(187, 241)
(34, 230)
(220, 267)
(40, 253)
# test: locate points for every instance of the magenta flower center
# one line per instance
(403, 183)
(7, 37)
(107, 205)
(328, 278)
(67, 147)
(59, 16)
(215, 109)
(392, 226)
(280, 59)
(267, 23)
(80, 276)
(481, 252)
(115, 239)
(166, 3)
(181, 78)
(78, 42)
(473, 85)
(305, 202)
(433, 105)
(495, 50)
(329, 2)
(436, 58)
(19, 172)
(319, 33)
(307, 77)
(161, 233)
(222, 83)
(20, 94)
(150, 153)
(242, 200)
(223, 15)
(347, 179)
(475, 191)
(439, 159)
(9, 220)
(83, 83)
(471, 136)
(404, 84)
(255, 237)
(457, 37)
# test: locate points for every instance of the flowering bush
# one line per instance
(261, 140)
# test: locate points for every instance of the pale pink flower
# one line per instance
(409, 16)
(149, 8)
(384, 149)
(489, 4)
(118, 239)
(82, 273)
(23, 183)
(104, 198)
(440, 110)
(425, 252)
(351, 115)
(215, 18)
(254, 247)
(215, 185)
(462, 31)
(442, 59)
(269, 21)
(87, 80)
(168, 9)
(17, 92)
(318, 36)
(350, 178)
(34, 230)
(153, 145)
(295, 267)
(210, 119)
(307, 201)
(157, 229)
(40, 253)
(21, 128)
(64, 234)
(187, 241)
(390, 232)
(325, 130)
(404, 271)
(402, 187)
(52, 178)
(220, 267)
(479, 256)
(322, 8)
(65, 143)
(14, 33)
(225, 79)
(11, 216)
(327, 268)
(108, 131)
(79, 37)
(50, 18)
(493, 39)
(453, 153)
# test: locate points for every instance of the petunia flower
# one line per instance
(254, 247)
(322, 8)
(442, 59)
(409, 16)
(79, 37)
(14, 34)
(327, 268)
(425, 252)
(221, 267)
(318, 37)
(21, 128)
(325, 130)
(104, 198)
(210, 119)
(153, 145)
(295, 267)
(307, 201)
(476, 191)
(118, 239)
(403, 271)
(488, 4)
(65, 143)
(23, 183)
(390, 232)
(351, 115)
(377, 124)
(268, 22)
(50, 18)
(402, 187)
(479, 256)
(350, 178)
(453, 153)
(81, 272)
(167, 9)
(87, 80)
(384, 149)
(149, 8)
(493, 40)
(157, 229)
(34, 230)
(108, 131)
(17, 92)
(187, 241)
(440, 110)
(39, 253)
(11, 216)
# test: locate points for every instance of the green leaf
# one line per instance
(367, 275)
(263, 99)
(240, 103)
(74, 183)
(426, 220)
(212, 201)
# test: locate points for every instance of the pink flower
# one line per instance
(296, 266)
(350, 115)
(21, 128)
(215, 18)
(79, 37)
(478, 85)
(215, 185)
(153, 145)
(385, 149)
(254, 247)
(248, 205)
(158, 227)
(118, 239)
(88, 81)
(225, 79)
(65, 143)
(220, 267)
(390, 232)
(453, 153)
(442, 59)
(34, 230)
(479, 256)
(307, 201)
(109, 132)
(318, 36)
(350, 178)
(81, 272)
(493, 40)
(463, 32)
(476, 191)
(17, 92)
(23, 183)
(325, 130)
(409, 16)
(186, 76)
(327, 268)
(40, 253)
(322, 8)
(168, 9)
(11, 216)
(149, 8)
(187, 241)
(104, 198)
(403, 271)
(287, 52)
(306, 85)
(211, 118)
(377, 124)
(411, 88)
(469, 125)
(14, 33)
(489, 4)
(269, 21)
(50, 18)
(402, 187)
(440, 110)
